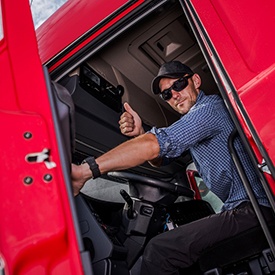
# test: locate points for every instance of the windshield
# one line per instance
(43, 9)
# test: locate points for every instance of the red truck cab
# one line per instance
(62, 90)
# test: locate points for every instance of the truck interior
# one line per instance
(121, 211)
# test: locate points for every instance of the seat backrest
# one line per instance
(65, 115)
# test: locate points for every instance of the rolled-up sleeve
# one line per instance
(198, 124)
(165, 143)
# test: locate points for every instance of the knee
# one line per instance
(154, 249)
(158, 257)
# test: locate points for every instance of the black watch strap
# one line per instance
(93, 166)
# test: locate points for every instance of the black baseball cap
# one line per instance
(172, 69)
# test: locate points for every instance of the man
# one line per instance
(203, 129)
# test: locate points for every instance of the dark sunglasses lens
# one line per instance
(166, 94)
(180, 84)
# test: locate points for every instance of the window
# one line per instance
(208, 195)
(198, 185)
(105, 190)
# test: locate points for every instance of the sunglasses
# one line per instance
(177, 86)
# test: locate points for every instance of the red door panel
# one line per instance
(37, 232)
(237, 36)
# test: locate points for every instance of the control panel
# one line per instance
(100, 88)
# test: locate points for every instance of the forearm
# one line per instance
(129, 154)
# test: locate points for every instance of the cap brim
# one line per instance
(155, 83)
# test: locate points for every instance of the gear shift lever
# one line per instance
(129, 201)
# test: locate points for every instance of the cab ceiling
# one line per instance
(134, 58)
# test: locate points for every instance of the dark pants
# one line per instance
(181, 247)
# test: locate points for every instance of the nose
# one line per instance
(175, 94)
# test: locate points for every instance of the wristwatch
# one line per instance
(93, 166)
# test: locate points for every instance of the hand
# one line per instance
(78, 178)
(130, 122)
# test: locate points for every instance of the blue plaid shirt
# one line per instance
(205, 130)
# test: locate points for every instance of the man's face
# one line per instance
(183, 100)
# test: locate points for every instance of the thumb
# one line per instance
(129, 109)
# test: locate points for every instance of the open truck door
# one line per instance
(38, 230)
(239, 51)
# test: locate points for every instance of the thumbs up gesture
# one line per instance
(130, 122)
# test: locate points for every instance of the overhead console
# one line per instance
(100, 88)
(98, 106)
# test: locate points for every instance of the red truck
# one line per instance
(62, 90)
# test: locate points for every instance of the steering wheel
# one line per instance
(171, 187)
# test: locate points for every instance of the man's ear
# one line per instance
(197, 81)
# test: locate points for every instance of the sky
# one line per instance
(42, 9)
